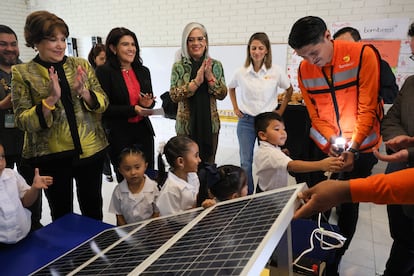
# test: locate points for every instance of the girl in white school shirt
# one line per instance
(181, 185)
(133, 199)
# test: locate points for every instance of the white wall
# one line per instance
(13, 14)
(160, 22)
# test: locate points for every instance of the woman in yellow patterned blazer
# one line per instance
(58, 102)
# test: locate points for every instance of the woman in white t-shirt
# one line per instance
(256, 86)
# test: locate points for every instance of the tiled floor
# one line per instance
(369, 249)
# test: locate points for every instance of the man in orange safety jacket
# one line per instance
(339, 81)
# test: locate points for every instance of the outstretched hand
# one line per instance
(332, 164)
(41, 182)
(399, 142)
(322, 197)
(208, 203)
(400, 156)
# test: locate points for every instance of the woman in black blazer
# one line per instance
(128, 86)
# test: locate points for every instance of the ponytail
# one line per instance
(162, 174)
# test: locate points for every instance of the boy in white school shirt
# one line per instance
(272, 164)
(15, 197)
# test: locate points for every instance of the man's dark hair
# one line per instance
(411, 30)
(307, 30)
(352, 31)
(7, 30)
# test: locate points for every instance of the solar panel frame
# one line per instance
(87, 259)
(260, 256)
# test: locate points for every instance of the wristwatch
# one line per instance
(355, 152)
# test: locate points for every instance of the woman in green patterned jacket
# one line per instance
(58, 102)
(197, 81)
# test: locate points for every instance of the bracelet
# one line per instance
(196, 84)
(48, 106)
(355, 152)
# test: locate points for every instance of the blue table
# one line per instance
(48, 243)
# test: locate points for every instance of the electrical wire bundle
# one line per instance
(321, 235)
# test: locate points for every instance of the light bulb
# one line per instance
(340, 144)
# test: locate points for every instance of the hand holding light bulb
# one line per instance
(341, 148)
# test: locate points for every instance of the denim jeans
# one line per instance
(247, 137)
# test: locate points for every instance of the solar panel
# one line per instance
(84, 252)
(234, 237)
(108, 250)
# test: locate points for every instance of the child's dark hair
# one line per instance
(176, 147)
(262, 121)
(131, 150)
(231, 180)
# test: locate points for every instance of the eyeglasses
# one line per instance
(195, 39)
(412, 57)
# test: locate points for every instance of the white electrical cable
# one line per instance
(319, 234)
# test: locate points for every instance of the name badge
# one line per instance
(9, 121)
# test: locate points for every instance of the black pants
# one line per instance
(13, 160)
(88, 176)
(107, 161)
(401, 259)
(348, 212)
(107, 166)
